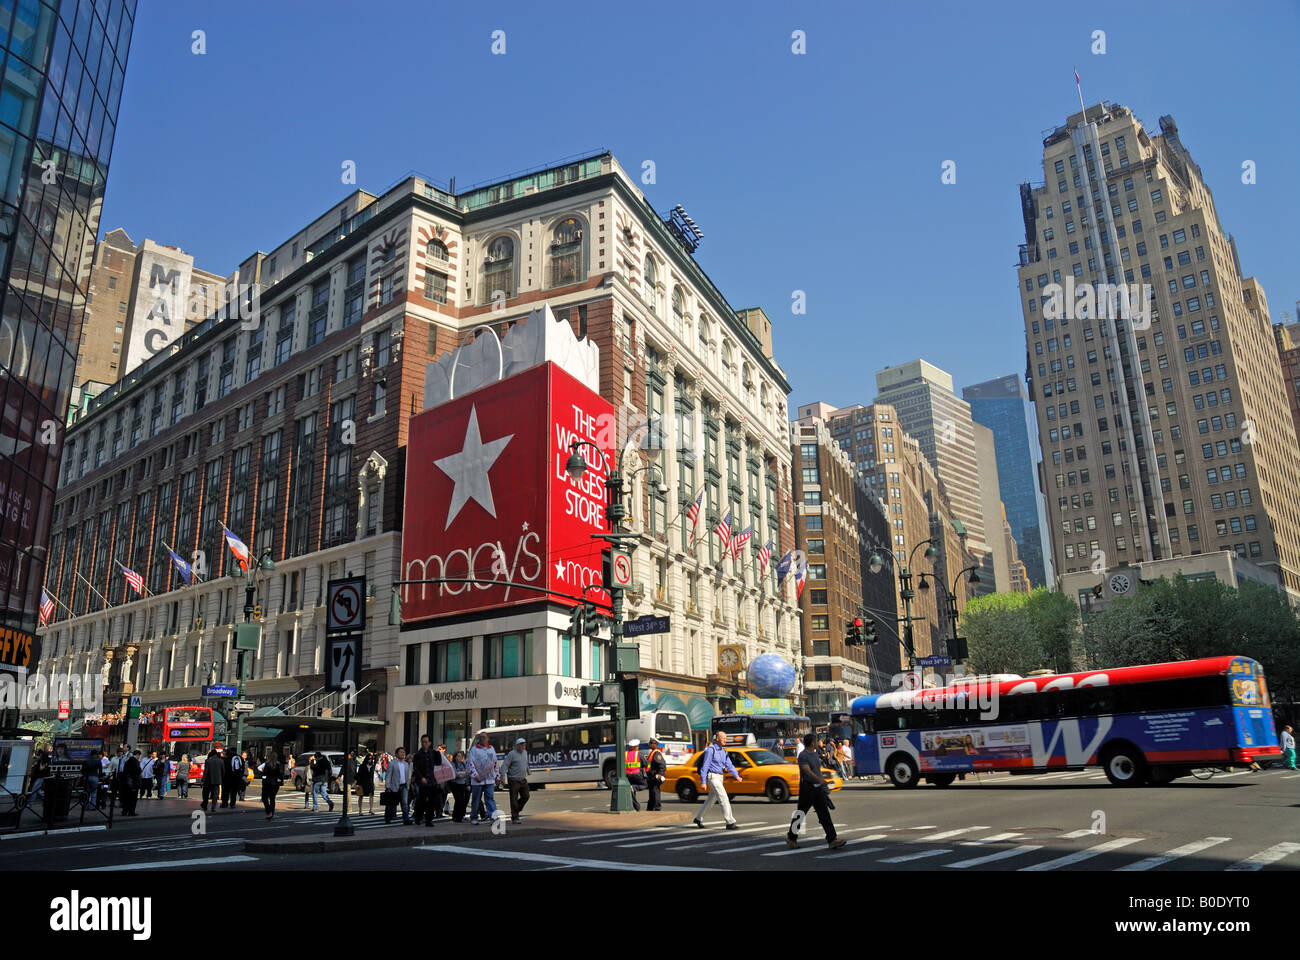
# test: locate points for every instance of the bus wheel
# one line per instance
(903, 771)
(686, 791)
(1124, 765)
(610, 775)
(1163, 776)
(941, 779)
(777, 791)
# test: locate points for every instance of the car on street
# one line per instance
(302, 770)
(762, 773)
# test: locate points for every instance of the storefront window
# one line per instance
(508, 655)
(506, 716)
(451, 727)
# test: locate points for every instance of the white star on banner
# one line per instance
(469, 469)
(559, 569)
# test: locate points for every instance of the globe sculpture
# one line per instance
(770, 677)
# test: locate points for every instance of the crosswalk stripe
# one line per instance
(1186, 850)
(857, 851)
(1075, 834)
(1291, 777)
(755, 846)
(1262, 859)
(654, 831)
(1082, 855)
(655, 843)
(603, 833)
(917, 856)
(945, 834)
(558, 861)
(164, 864)
(992, 857)
(996, 838)
(813, 847)
(1235, 773)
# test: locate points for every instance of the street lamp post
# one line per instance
(956, 648)
(263, 563)
(621, 796)
(905, 589)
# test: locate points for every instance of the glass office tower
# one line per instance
(63, 65)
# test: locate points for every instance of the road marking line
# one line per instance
(653, 831)
(701, 836)
(993, 839)
(1186, 850)
(41, 833)
(1238, 773)
(1075, 834)
(1082, 855)
(603, 833)
(917, 856)
(855, 852)
(945, 834)
(1292, 777)
(164, 864)
(931, 826)
(814, 847)
(559, 861)
(1265, 857)
(992, 857)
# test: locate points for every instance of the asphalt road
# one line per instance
(1055, 822)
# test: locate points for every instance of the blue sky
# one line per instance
(818, 172)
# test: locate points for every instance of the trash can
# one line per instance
(58, 797)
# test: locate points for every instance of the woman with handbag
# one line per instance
(398, 782)
(366, 782)
(459, 785)
(272, 777)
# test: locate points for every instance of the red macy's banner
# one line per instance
(488, 496)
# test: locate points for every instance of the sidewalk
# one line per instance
(446, 831)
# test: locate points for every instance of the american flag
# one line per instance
(764, 555)
(47, 608)
(133, 578)
(693, 513)
(739, 540)
(723, 530)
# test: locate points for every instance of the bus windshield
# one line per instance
(672, 726)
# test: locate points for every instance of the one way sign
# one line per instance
(343, 663)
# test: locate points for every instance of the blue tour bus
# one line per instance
(1140, 724)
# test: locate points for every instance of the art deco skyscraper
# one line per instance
(1165, 427)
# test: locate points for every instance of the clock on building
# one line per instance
(1120, 584)
(729, 658)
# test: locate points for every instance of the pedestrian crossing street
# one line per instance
(929, 846)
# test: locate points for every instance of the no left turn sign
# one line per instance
(622, 567)
(345, 605)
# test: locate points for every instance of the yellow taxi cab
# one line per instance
(762, 773)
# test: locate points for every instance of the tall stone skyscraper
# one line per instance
(1162, 413)
(62, 80)
(1003, 406)
(940, 422)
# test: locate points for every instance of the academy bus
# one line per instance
(1139, 724)
(574, 751)
(763, 730)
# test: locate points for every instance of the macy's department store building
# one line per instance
(488, 498)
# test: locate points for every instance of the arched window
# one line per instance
(499, 269)
(566, 252)
(705, 335)
(651, 283)
(437, 249)
(679, 312)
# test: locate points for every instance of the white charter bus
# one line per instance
(574, 751)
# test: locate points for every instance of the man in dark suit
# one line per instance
(213, 773)
(129, 784)
(232, 773)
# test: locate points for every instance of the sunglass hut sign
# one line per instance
(488, 495)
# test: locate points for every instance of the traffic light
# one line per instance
(869, 630)
(576, 621)
(855, 636)
(591, 620)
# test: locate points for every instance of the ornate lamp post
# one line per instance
(904, 574)
(956, 645)
(266, 565)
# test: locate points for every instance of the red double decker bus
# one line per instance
(187, 723)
